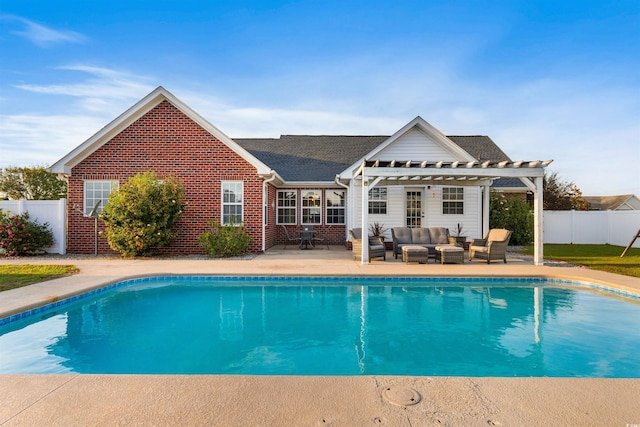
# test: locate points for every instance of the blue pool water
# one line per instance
(331, 326)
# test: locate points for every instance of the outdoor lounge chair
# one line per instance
(493, 247)
(296, 239)
(376, 245)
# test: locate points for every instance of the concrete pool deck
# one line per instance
(290, 400)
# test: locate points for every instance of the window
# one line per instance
(453, 200)
(311, 207)
(286, 207)
(378, 200)
(335, 206)
(232, 203)
(97, 191)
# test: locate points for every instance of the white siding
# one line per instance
(432, 197)
(416, 145)
(471, 220)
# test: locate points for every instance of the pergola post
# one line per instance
(538, 222)
(365, 220)
(486, 204)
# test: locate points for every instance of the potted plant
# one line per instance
(457, 234)
(377, 229)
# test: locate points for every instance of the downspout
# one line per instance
(265, 207)
(346, 216)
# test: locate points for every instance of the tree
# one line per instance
(562, 195)
(32, 183)
(140, 215)
(511, 213)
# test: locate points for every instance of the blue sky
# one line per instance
(545, 79)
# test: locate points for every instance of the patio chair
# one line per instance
(493, 247)
(376, 245)
(322, 237)
(296, 239)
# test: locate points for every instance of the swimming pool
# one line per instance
(331, 326)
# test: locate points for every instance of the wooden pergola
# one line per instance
(457, 173)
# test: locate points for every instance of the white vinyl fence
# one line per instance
(592, 227)
(53, 212)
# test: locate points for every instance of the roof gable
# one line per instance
(137, 111)
(417, 140)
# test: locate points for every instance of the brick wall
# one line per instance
(169, 143)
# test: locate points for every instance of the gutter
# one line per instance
(346, 187)
(265, 207)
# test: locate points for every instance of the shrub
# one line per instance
(224, 240)
(512, 214)
(20, 236)
(140, 215)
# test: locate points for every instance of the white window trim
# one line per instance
(294, 207)
(343, 208)
(223, 203)
(452, 200)
(303, 207)
(114, 183)
(386, 201)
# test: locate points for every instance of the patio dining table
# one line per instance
(306, 239)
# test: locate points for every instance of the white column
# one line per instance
(538, 225)
(365, 220)
(486, 201)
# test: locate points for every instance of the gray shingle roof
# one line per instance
(321, 157)
(310, 158)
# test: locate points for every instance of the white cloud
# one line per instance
(41, 138)
(44, 36)
(104, 84)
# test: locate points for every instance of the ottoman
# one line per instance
(415, 253)
(449, 254)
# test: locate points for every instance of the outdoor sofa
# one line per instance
(426, 237)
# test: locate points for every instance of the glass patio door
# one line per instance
(414, 209)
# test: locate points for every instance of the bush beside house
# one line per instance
(141, 215)
(20, 235)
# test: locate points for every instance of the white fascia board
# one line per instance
(82, 151)
(139, 109)
(261, 168)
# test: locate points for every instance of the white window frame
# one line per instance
(454, 198)
(107, 187)
(282, 206)
(378, 199)
(335, 208)
(227, 188)
(311, 207)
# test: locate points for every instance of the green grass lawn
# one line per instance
(597, 257)
(16, 276)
